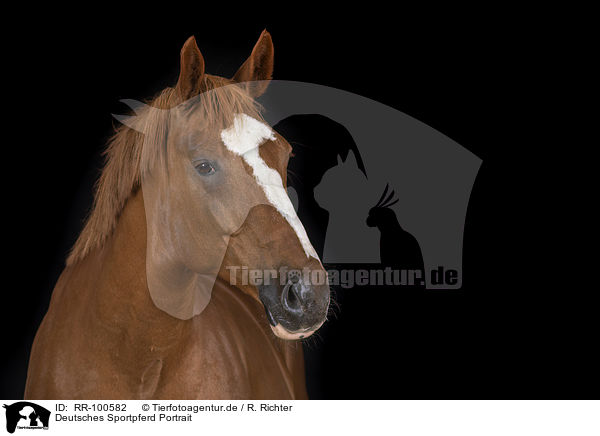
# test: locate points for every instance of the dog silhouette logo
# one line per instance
(26, 415)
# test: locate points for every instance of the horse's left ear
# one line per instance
(259, 66)
(191, 70)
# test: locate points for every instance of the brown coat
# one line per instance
(103, 338)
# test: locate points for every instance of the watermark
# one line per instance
(345, 278)
(25, 415)
(368, 185)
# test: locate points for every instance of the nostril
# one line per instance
(289, 297)
(292, 298)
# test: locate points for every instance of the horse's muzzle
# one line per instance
(296, 308)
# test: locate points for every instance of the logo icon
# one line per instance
(26, 415)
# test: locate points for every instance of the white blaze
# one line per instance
(243, 138)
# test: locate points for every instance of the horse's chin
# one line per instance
(283, 333)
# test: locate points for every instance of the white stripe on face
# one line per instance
(244, 138)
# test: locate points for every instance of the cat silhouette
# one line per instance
(345, 192)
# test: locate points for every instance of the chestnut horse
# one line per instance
(127, 318)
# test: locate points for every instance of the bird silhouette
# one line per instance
(398, 249)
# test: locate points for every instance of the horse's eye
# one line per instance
(205, 168)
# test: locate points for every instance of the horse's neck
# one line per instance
(117, 272)
(106, 294)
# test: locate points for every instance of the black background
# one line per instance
(464, 73)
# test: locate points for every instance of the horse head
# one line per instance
(214, 186)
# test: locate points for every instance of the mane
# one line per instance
(128, 156)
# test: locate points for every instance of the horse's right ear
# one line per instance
(191, 70)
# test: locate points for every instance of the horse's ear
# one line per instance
(259, 66)
(191, 70)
